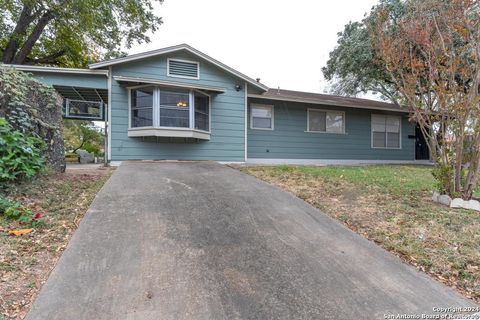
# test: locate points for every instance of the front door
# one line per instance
(421, 147)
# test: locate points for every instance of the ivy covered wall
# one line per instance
(32, 107)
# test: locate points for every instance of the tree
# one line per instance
(72, 33)
(432, 56)
(353, 66)
(81, 134)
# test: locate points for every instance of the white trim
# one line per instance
(191, 110)
(170, 132)
(129, 90)
(92, 118)
(109, 116)
(149, 81)
(326, 111)
(177, 48)
(57, 70)
(186, 61)
(264, 106)
(246, 122)
(332, 162)
(209, 110)
(156, 107)
(328, 103)
(399, 133)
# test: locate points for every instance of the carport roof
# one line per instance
(85, 94)
(79, 91)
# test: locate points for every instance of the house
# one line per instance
(179, 103)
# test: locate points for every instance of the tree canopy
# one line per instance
(432, 55)
(353, 67)
(72, 33)
(82, 134)
(424, 54)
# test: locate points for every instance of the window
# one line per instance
(261, 117)
(202, 111)
(174, 108)
(142, 107)
(386, 131)
(325, 121)
(183, 69)
(161, 107)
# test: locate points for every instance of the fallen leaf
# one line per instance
(2, 228)
(20, 232)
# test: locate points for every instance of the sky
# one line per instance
(284, 43)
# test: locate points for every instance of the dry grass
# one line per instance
(26, 261)
(391, 205)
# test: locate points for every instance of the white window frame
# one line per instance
(259, 105)
(192, 118)
(326, 111)
(68, 115)
(156, 110)
(399, 132)
(183, 77)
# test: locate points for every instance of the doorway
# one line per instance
(421, 148)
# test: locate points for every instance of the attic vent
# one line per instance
(183, 69)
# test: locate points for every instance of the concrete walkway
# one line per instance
(204, 241)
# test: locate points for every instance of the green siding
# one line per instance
(95, 81)
(227, 140)
(289, 140)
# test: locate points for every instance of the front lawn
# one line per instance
(26, 261)
(392, 206)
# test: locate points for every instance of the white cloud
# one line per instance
(285, 43)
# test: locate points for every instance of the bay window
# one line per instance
(159, 108)
(174, 108)
(202, 111)
(142, 107)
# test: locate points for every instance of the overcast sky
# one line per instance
(285, 43)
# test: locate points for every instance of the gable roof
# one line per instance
(179, 47)
(327, 99)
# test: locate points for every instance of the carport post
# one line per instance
(105, 153)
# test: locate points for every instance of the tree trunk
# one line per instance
(22, 54)
(24, 21)
(459, 159)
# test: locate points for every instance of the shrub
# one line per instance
(13, 210)
(21, 155)
(92, 148)
(34, 108)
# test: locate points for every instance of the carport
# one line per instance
(85, 92)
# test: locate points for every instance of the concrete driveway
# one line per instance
(204, 241)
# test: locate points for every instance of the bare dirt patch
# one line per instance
(26, 261)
